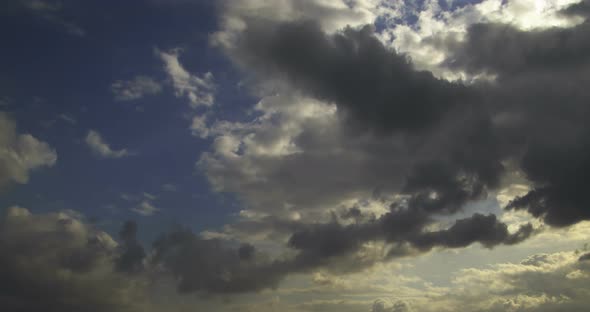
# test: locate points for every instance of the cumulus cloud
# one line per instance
(452, 140)
(21, 153)
(352, 123)
(101, 148)
(136, 88)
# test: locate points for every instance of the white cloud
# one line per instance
(21, 153)
(200, 91)
(333, 15)
(97, 144)
(199, 127)
(145, 208)
(137, 88)
(422, 40)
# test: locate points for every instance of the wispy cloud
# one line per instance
(145, 208)
(68, 118)
(101, 148)
(136, 88)
(51, 12)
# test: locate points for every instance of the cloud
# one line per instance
(404, 231)
(581, 8)
(132, 254)
(200, 91)
(199, 127)
(21, 153)
(398, 306)
(143, 203)
(53, 12)
(452, 139)
(332, 15)
(97, 144)
(137, 88)
(379, 123)
(209, 265)
(56, 262)
(68, 118)
(554, 49)
(145, 208)
(351, 123)
(355, 156)
(542, 282)
(539, 101)
(372, 85)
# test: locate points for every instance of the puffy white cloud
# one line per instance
(21, 153)
(101, 148)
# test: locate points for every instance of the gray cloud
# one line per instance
(539, 103)
(405, 230)
(132, 253)
(581, 8)
(55, 262)
(211, 266)
(373, 85)
(455, 137)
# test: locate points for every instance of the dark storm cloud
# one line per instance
(485, 229)
(213, 266)
(563, 174)
(540, 101)
(535, 112)
(453, 152)
(402, 228)
(373, 85)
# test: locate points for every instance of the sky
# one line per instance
(294, 155)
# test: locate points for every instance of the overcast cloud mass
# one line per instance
(295, 155)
